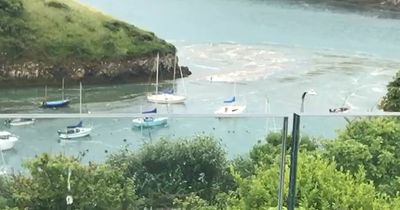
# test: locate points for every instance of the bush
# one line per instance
(174, 169)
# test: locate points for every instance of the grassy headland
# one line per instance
(59, 30)
(42, 41)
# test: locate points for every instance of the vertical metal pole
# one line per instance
(293, 161)
(282, 165)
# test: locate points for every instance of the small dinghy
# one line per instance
(149, 121)
(343, 109)
(21, 121)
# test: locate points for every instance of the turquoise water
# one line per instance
(272, 52)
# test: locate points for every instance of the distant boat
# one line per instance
(232, 108)
(75, 131)
(21, 121)
(343, 109)
(149, 121)
(166, 97)
(56, 103)
(7, 140)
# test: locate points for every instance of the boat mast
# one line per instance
(173, 83)
(62, 89)
(158, 60)
(80, 97)
(45, 93)
(183, 81)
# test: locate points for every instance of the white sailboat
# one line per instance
(232, 108)
(75, 131)
(166, 98)
(7, 140)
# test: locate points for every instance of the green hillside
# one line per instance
(62, 31)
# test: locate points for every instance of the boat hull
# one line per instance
(166, 99)
(7, 144)
(141, 122)
(55, 104)
(230, 110)
(82, 133)
(19, 122)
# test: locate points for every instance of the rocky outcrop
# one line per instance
(102, 72)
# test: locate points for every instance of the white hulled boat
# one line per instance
(75, 131)
(21, 121)
(166, 97)
(7, 140)
(230, 109)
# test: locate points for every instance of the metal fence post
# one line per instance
(293, 161)
(282, 164)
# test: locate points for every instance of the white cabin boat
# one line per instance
(75, 131)
(7, 140)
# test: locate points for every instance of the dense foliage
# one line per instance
(92, 186)
(391, 102)
(167, 170)
(63, 31)
(357, 170)
(371, 144)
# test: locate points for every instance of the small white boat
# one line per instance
(7, 140)
(343, 109)
(166, 98)
(148, 121)
(230, 109)
(75, 131)
(21, 121)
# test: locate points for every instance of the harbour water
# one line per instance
(272, 51)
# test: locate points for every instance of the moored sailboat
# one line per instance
(149, 121)
(166, 97)
(232, 108)
(55, 103)
(75, 131)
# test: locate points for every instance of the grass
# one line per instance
(58, 31)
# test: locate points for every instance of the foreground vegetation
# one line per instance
(61, 31)
(357, 170)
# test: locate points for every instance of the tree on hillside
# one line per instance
(173, 169)
(391, 101)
